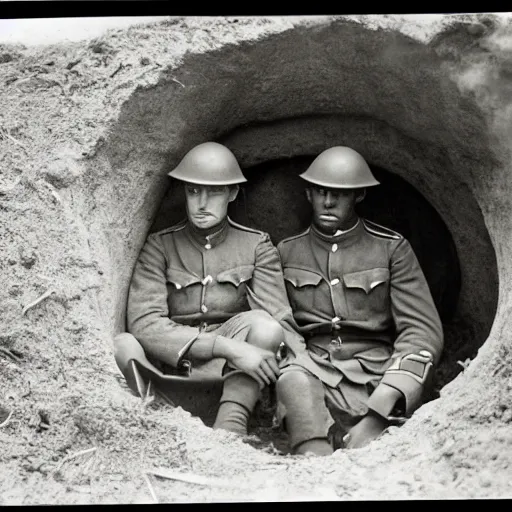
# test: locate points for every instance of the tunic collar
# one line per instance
(208, 238)
(341, 238)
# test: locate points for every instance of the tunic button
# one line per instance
(335, 319)
(206, 280)
(335, 281)
(208, 246)
(334, 247)
(204, 309)
(178, 286)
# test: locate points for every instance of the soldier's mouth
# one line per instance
(326, 216)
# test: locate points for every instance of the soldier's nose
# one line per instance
(329, 199)
(203, 198)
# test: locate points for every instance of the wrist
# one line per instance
(220, 347)
(375, 418)
(225, 348)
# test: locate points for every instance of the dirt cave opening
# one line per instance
(428, 143)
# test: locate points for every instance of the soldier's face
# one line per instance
(207, 205)
(334, 209)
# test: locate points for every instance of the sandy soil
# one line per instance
(58, 375)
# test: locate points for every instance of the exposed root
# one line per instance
(6, 352)
(4, 134)
(464, 363)
(178, 82)
(73, 456)
(37, 301)
(6, 421)
(193, 479)
(151, 489)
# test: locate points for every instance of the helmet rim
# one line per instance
(329, 184)
(199, 181)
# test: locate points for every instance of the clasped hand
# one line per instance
(257, 362)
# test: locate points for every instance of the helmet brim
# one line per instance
(199, 181)
(329, 184)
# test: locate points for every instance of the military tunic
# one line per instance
(185, 286)
(361, 301)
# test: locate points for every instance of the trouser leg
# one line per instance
(301, 399)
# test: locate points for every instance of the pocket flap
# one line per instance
(300, 277)
(367, 280)
(236, 275)
(181, 278)
(375, 355)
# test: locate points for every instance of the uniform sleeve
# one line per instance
(419, 340)
(148, 313)
(267, 291)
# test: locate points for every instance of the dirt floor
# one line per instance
(77, 435)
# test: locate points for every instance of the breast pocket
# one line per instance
(367, 292)
(230, 293)
(237, 275)
(184, 291)
(303, 287)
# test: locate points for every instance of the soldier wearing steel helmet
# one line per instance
(209, 288)
(364, 307)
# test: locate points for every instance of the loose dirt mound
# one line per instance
(77, 435)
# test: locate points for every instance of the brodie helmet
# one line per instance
(209, 163)
(340, 167)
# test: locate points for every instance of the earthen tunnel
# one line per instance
(277, 102)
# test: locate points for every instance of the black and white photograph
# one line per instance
(255, 258)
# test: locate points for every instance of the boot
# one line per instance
(317, 447)
(239, 397)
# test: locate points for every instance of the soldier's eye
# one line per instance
(193, 190)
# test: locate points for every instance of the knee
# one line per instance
(127, 348)
(126, 343)
(265, 332)
(293, 383)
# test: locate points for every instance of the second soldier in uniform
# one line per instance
(365, 309)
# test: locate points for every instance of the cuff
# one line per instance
(183, 364)
(404, 379)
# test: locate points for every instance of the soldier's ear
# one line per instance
(361, 194)
(308, 194)
(233, 192)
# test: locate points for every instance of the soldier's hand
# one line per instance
(368, 429)
(259, 363)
